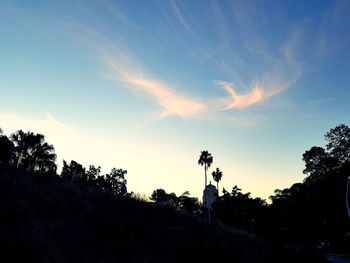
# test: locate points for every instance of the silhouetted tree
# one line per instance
(217, 175)
(39, 155)
(66, 171)
(338, 144)
(315, 211)
(187, 203)
(173, 200)
(159, 196)
(116, 180)
(239, 210)
(78, 171)
(101, 183)
(92, 174)
(74, 172)
(318, 162)
(205, 159)
(6, 152)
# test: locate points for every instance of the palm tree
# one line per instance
(44, 157)
(217, 174)
(39, 155)
(205, 159)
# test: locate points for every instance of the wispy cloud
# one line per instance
(259, 91)
(273, 82)
(253, 71)
(123, 67)
(126, 69)
(170, 100)
(235, 100)
(180, 16)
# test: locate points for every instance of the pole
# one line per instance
(347, 197)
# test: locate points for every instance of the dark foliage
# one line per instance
(183, 202)
(84, 216)
(33, 153)
(240, 210)
(113, 182)
(6, 152)
(312, 212)
(217, 175)
(48, 219)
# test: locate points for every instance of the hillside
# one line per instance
(46, 219)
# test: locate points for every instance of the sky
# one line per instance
(147, 85)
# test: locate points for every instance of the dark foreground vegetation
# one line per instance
(47, 219)
(312, 213)
(81, 215)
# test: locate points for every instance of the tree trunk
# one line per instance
(205, 172)
(217, 183)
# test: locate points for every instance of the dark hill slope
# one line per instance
(45, 219)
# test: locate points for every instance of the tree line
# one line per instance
(29, 153)
(313, 211)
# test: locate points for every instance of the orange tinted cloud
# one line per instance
(170, 100)
(236, 100)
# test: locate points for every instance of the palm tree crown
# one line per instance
(39, 155)
(217, 174)
(205, 159)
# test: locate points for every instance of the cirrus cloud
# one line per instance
(170, 100)
(280, 74)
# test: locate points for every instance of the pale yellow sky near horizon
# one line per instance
(153, 163)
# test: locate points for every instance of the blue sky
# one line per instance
(146, 86)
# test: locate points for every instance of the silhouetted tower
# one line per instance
(210, 194)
